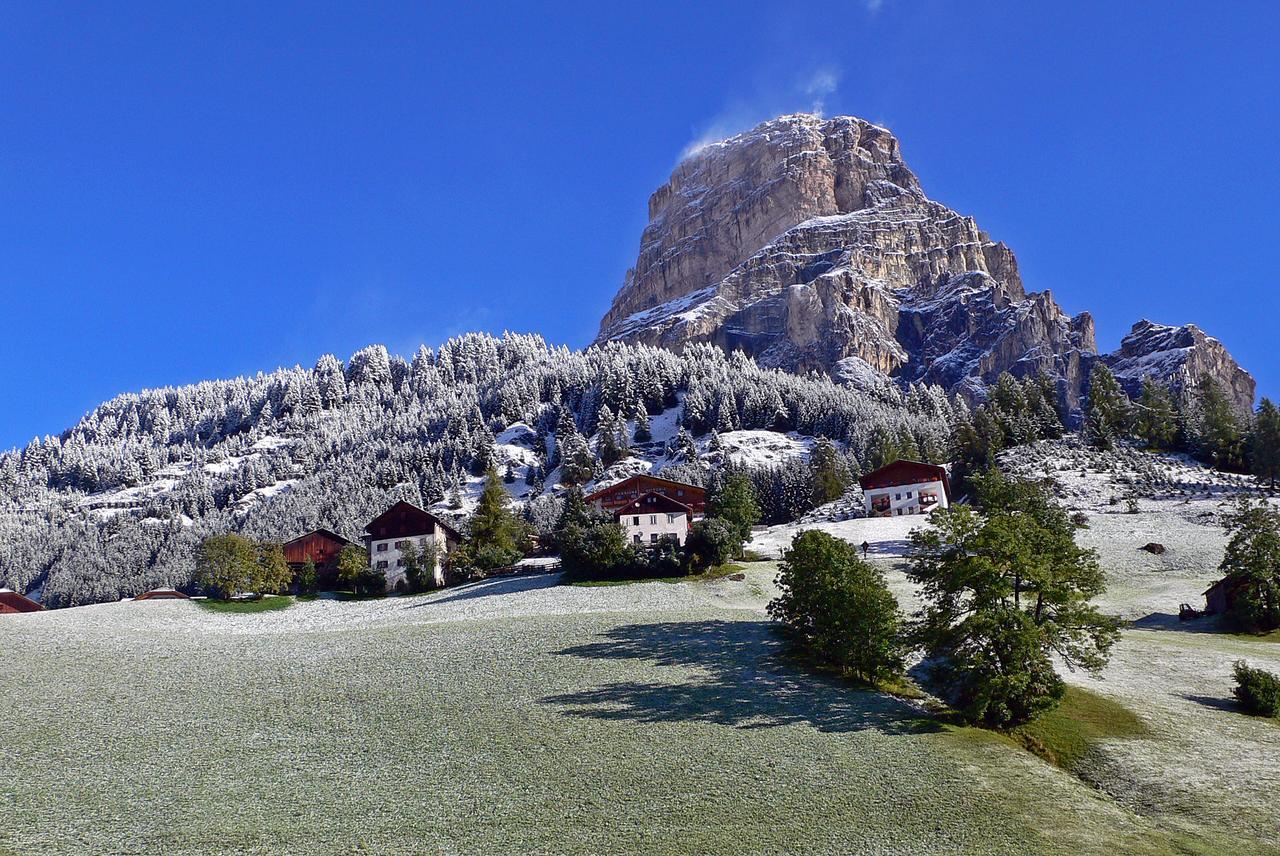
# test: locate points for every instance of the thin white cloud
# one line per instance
(821, 84)
(808, 92)
(873, 6)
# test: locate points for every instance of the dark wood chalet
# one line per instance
(628, 490)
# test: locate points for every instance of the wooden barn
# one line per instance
(322, 546)
(1221, 596)
(628, 490)
(905, 487)
(11, 601)
(162, 594)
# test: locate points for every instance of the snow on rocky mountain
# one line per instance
(809, 244)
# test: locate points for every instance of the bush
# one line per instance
(306, 579)
(710, 542)
(596, 552)
(1258, 691)
(838, 607)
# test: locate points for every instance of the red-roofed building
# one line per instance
(654, 517)
(162, 594)
(615, 496)
(905, 487)
(321, 546)
(11, 601)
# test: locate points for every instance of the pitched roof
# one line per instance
(903, 471)
(683, 485)
(652, 502)
(162, 594)
(328, 533)
(20, 602)
(403, 517)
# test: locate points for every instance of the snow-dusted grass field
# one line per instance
(517, 715)
(512, 716)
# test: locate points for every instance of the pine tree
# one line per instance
(1109, 413)
(734, 501)
(1218, 437)
(1265, 442)
(607, 437)
(1156, 422)
(496, 536)
(831, 476)
(685, 449)
(643, 432)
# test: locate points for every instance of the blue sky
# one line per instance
(193, 191)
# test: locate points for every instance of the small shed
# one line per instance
(11, 601)
(1221, 596)
(162, 594)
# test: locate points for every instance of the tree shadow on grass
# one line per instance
(1169, 621)
(743, 678)
(493, 587)
(1216, 702)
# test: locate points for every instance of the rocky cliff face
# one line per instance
(809, 244)
(1178, 357)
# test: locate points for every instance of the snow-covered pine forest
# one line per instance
(117, 504)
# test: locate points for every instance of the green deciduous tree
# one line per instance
(1003, 591)
(227, 565)
(307, 579)
(354, 570)
(274, 573)
(230, 564)
(595, 550)
(838, 607)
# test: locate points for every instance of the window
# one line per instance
(653, 538)
(399, 563)
(400, 545)
(653, 520)
(382, 565)
(908, 494)
(382, 548)
(679, 493)
(422, 542)
(636, 539)
(635, 521)
(671, 518)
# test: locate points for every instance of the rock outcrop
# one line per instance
(809, 244)
(1178, 357)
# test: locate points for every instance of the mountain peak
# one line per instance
(808, 243)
